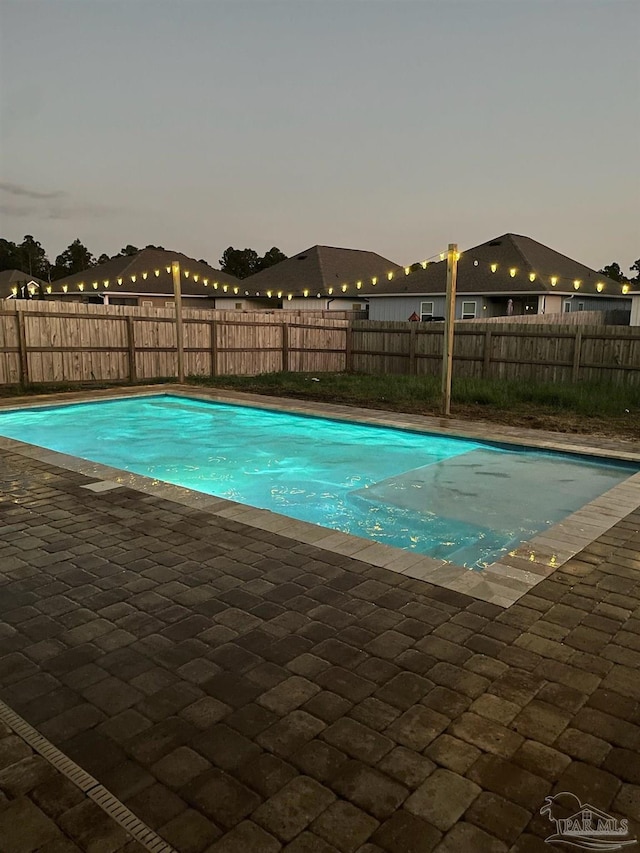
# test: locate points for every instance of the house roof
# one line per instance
(522, 265)
(146, 273)
(12, 278)
(319, 269)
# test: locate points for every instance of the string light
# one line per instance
(424, 264)
(196, 276)
(532, 276)
(157, 273)
(512, 272)
(576, 284)
(289, 297)
(81, 285)
(49, 288)
(236, 290)
(600, 287)
(144, 275)
(168, 269)
(305, 292)
(407, 270)
(330, 291)
(119, 281)
(186, 273)
(625, 288)
(374, 280)
(133, 278)
(268, 294)
(344, 288)
(494, 267)
(65, 288)
(358, 284)
(95, 285)
(554, 280)
(389, 275)
(279, 294)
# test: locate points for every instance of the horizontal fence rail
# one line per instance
(42, 342)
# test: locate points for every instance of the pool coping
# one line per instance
(501, 583)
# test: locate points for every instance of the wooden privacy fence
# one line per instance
(56, 342)
(500, 351)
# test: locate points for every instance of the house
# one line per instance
(145, 279)
(320, 278)
(15, 284)
(510, 274)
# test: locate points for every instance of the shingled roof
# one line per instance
(319, 269)
(507, 264)
(14, 278)
(148, 272)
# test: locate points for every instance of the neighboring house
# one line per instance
(635, 306)
(510, 274)
(15, 284)
(320, 278)
(145, 279)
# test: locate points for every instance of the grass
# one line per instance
(582, 407)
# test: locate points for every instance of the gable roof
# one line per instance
(536, 269)
(317, 270)
(149, 267)
(14, 278)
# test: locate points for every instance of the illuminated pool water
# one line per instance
(453, 499)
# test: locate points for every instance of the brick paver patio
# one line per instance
(240, 691)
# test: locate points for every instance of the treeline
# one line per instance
(30, 257)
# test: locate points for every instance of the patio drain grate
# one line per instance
(103, 798)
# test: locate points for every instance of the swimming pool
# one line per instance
(452, 499)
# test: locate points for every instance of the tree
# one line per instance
(270, 258)
(103, 259)
(613, 271)
(239, 262)
(635, 267)
(245, 262)
(9, 256)
(75, 258)
(128, 250)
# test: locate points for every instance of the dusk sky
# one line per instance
(392, 126)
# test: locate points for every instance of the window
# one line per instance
(468, 310)
(357, 306)
(147, 303)
(426, 310)
(567, 306)
(580, 306)
(169, 303)
(238, 306)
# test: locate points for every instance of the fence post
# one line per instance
(22, 345)
(486, 354)
(285, 347)
(412, 350)
(348, 348)
(449, 323)
(577, 348)
(213, 345)
(177, 296)
(131, 343)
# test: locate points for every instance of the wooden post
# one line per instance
(132, 349)
(486, 356)
(412, 350)
(213, 329)
(348, 344)
(22, 345)
(285, 347)
(449, 322)
(177, 294)
(577, 348)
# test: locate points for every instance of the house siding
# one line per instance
(635, 310)
(597, 303)
(402, 307)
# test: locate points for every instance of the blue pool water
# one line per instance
(449, 498)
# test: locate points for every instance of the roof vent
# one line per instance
(496, 243)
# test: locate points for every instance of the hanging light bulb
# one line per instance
(305, 292)
(625, 288)
(168, 269)
(133, 278)
(119, 281)
(196, 276)
(494, 267)
(144, 275)
(225, 287)
(95, 285)
(389, 275)
(358, 284)
(289, 296)
(279, 294)
(532, 276)
(156, 273)
(554, 280)
(600, 287)
(344, 288)
(65, 287)
(424, 264)
(48, 288)
(205, 281)
(81, 285)
(374, 280)
(576, 284)
(236, 289)
(269, 294)
(330, 291)
(407, 270)
(186, 273)
(512, 272)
